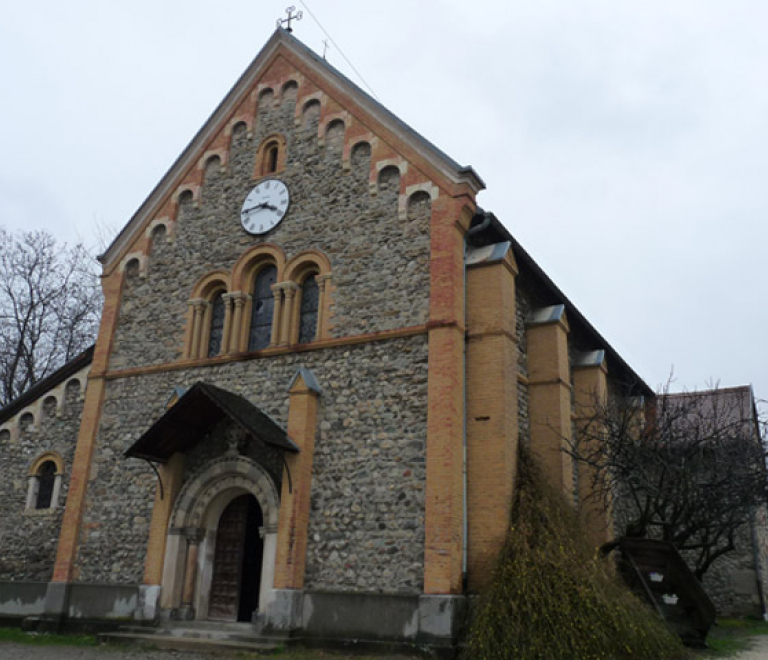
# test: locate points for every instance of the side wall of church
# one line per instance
(28, 537)
(366, 529)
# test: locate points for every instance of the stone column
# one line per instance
(323, 307)
(549, 386)
(228, 314)
(266, 589)
(198, 330)
(190, 574)
(278, 322)
(288, 331)
(590, 383)
(239, 299)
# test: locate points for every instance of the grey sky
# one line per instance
(624, 144)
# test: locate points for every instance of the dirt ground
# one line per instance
(14, 651)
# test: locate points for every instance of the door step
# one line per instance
(202, 636)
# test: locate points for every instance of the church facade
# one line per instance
(316, 359)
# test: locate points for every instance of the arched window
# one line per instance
(270, 157)
(44, 482)
(308, 311)
(262, 309)
(216, 335)
(270, 160)
(46, 478)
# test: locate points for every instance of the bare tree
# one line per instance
(50, 302)
(687, 468)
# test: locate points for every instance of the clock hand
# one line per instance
(263, 205)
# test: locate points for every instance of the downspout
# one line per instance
(471, 232)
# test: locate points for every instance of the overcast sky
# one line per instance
(624, 144)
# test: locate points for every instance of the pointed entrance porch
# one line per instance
(213, 540)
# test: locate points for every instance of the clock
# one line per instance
(265, 206)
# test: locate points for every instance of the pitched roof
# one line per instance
(201, 407)
(49, 382)
(623, 373)
(333, 79)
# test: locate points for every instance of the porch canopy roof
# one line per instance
(200, 408)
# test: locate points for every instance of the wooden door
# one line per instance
(228, 561)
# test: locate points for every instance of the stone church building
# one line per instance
(317, 357)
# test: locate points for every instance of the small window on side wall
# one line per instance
(44, 484)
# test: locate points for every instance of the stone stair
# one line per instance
(196, 636)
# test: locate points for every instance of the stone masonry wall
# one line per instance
(366, 527)
(28, 539)
(380, 262)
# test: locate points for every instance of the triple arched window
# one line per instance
(263, 303)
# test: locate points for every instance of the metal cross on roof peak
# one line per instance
(291, 17)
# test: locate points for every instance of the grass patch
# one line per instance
(551, 598)
(45, 639)
(730, 636)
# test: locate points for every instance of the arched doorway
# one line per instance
(190, 553)
(236, 572)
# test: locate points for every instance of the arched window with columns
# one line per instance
(207, 321)
(307, 297)
(44, 482)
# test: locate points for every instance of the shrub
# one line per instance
(552, 598)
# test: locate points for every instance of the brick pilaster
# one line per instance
(291, 555)
(171, 475)
(69, 537)
(492, 425)
(590, 383)
(549, 387)
(445, 430)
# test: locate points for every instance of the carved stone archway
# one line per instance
(191, 538)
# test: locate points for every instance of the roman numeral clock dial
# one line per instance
(265, 206)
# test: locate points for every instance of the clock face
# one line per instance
(265, 206)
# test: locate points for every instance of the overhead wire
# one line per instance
(336, 46)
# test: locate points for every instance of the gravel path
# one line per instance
(10, 651)
(759, 650)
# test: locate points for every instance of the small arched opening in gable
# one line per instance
(360, 160)
(290, 91)
(26, 422)
(212, 169)
(132, 268)
(49, 407)
(310, 114)
(72, 391)
(239, 131)
(158, 236)
(389, 179)
(334, 137)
